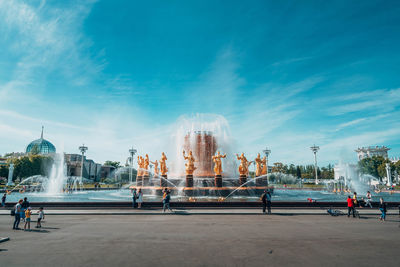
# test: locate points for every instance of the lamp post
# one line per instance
(267, 152)
(315, 149)
(132, 152)
(83, 149)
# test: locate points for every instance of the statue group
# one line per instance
(143, 163)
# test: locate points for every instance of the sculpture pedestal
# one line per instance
(242, 179)
(146, 179)
(189, 180)
(163, 182)
(139, 181)
(218, 181)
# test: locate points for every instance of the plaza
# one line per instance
(208, 238)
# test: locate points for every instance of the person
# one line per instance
(266, 201)
(40, 218)
(361, 203)
(382, 208)
(28, 214)
(355, 201)
(134, 196)
(140, 198)
(3, 200)
(350, 207)
(369, 198)
(17, 215)
(25, 205)
(166, 200)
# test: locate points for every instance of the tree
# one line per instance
(298, 172)
(370, 166)
(115, 164)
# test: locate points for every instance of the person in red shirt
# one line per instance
(350, 207)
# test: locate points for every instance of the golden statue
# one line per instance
(140, 166)
(244, 165)
(190, 168)
(146, 163)
(163, 164)
(264, 162)
(218, 163)
(155, 168)
(258, 161)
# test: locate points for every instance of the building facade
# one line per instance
(91, 169)
(368, 152)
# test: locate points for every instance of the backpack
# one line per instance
(13, 211)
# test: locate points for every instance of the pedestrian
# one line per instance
(25, 205)
(17, 215)
(40, 218)
(369, 198)
(28, 214)
(140, 198)
(3, 200)
(134, 196)
(166, 200)
(266, 201)
(350, 207)
(382, 208)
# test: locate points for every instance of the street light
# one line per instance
(315, 149)
(267, 152)
(132, 151)
(83, 149)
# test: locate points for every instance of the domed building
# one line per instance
(41, 146)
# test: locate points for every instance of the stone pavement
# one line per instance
(202, 240)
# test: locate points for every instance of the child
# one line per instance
(28, 214)
(40, 217)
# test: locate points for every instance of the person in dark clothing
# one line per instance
(24, 206)
(3, 200)
(166, 200)
(382, 208)
(266, 201)
(134, 197)
(350, 207)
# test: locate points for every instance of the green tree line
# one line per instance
(304, 171)
(376, 166)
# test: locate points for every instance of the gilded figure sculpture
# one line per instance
(218, 163)
(146, 163)
(244, 165)
(258, 161)
(163, 164)
(190, 168)
(140, 166)
(155, 168)
(264, 170)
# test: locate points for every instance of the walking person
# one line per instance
(24, 206)
(166, 200)
(350, 207)
(17, 214)
(28, 214)
(263, 199)
(140, 198)
(3, 200)
(382, 208)
(369, 199)
(134, 196)
(269, 203)
(40, 218)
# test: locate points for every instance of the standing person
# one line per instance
(40, 218)
(28, 214)
(3, 200)
(166, 200)
(369, 198)
(17, 215)
(140, 198)
(269, 204)
(134, 196)
(350, 207)
(263, 198)
(25, 205)
(382, 208)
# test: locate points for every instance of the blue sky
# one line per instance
(285, 74)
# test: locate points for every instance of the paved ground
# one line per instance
(203, 240)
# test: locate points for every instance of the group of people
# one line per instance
(353, 203)
(137, 198)
(22, 210)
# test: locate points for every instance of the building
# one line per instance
(368, 152)
(91, 169)
(41, 146)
